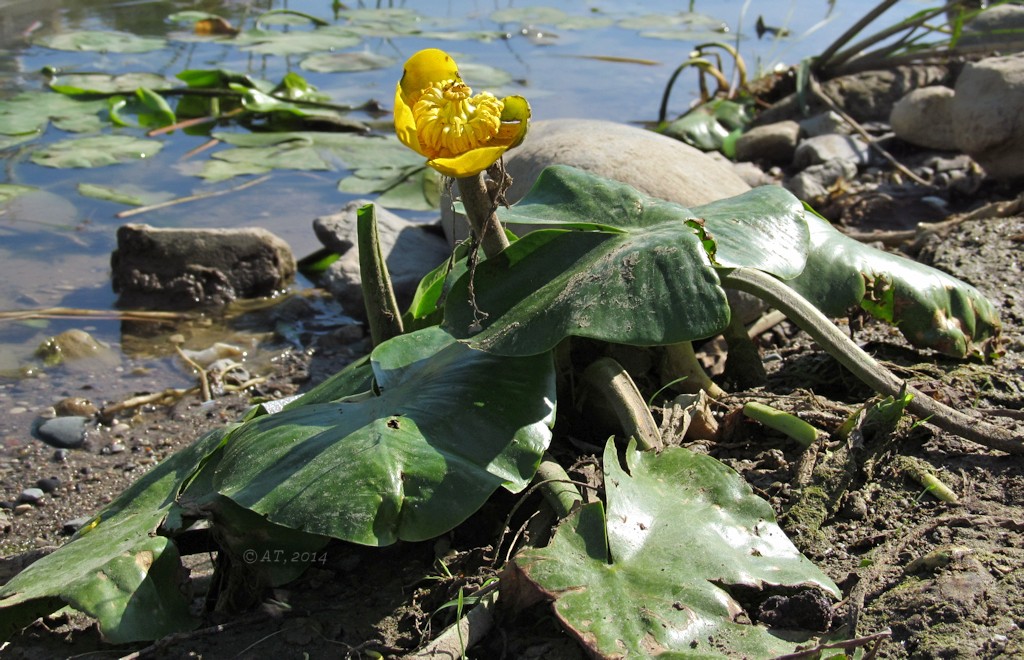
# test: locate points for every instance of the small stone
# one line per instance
(48, 485)
(22, 509)
(60, 455)
(75, 406)
(771, 142)
(71, 526)
(824, 148)
(30, 496)
(63, 432)
(114, 448)
(924, 117)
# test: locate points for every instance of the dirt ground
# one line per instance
(941, 580)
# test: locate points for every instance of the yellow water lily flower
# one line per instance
(438, 116)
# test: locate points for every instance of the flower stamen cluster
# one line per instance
(451, 121)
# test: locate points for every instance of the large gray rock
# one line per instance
(410, 251)
(825, 148)
(774, 143)
(998, 28)
(867, 96)
(652, 163)
(986, 112)
(187, 268)
(925, 117)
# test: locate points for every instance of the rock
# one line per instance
(752, 175)
(75, 405)
(187, 268)
(74, 344)
(71, 526)
(774, 143)
(30, 496)
(825, 148)
(824, 123)
(996, 28)
(410, 250)
(48, 484)
(812, 184)
(867, 96)
(986, 114)
(63, 432)
(924, 117)
(653, 164)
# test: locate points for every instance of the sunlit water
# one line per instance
(55, 245)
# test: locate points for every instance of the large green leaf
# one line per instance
(106, 41)
(642, 274)
(684, 541)
(95, 151)
(74, 84)
(931, 309)
(117, 569)
(29, 112)
(298, 42)
(444, 426)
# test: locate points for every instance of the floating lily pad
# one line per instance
(29, 112)
(107, 41)
(383, 22)
(413, 188)
(95, 151)
(296, 42)
(483, 77)
(118, 195)
(256, 160)
(685, 543)
(9, 191)
(345, 62)
(547, 15)
(102, 83)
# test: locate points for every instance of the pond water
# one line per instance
(573, 58)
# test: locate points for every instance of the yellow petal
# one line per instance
(405, 123)
(470, 163)
(424, 68)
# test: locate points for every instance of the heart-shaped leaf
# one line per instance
(684, 542)
(641, 275)
(443, 428)
(96, 151)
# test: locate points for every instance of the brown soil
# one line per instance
(947, 580)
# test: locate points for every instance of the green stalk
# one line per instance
(863, 366)
(619, 396)
(783, 422)
(919, 472)
(556, 487)
(382, 312)
(681, 363)
(480, 211)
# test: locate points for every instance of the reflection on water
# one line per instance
(55, 243)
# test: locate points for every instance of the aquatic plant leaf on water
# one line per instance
(106, 41)
(97, 151)
(345, 62)
(529, 15)
(643, 272)
(440, 430)
(413, 188)
(265, 42)
(686, 543)
(710, 125)
(9, 191)
(931, 308)
(130, 195)
(384, 22)
(30, 111)
(150, 109)
(256, 160)
(103, 83)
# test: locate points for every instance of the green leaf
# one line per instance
(95, 151)
(100, 40)
(117, 569)
(9, 191)
(931, 308)
(684, 542)
(293, 43)
(352, 151)
(443, 427)
(414, 188)
(345, 62)
(28, 112)
(120, 196)
(256, 160)
(547, 15)
(102, 83)
(641, 275)
(482, 77)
